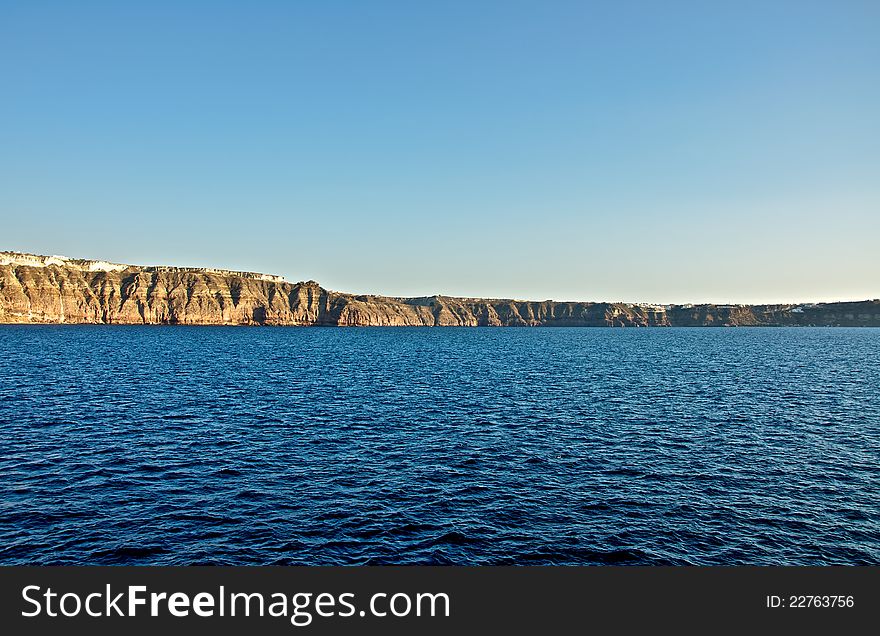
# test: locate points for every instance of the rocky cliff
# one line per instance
(42, 289)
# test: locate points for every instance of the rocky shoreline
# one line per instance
(55, 290)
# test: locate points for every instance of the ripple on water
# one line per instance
(128, 445)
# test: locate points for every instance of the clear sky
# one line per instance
(639, 151)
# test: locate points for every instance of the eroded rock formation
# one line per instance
(40, 289)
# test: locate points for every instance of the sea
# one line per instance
(135, 445)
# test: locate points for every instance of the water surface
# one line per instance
(185, 445)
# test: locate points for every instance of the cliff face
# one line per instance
(58, 294)
(57, 290)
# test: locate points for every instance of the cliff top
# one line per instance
(37, 260)
(16, 259)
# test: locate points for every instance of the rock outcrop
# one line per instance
(51, 289)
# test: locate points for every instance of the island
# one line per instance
(56, 290)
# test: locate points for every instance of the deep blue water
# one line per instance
(183, 445)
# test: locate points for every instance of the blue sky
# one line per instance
(636, 151)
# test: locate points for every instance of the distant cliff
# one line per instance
(51, 289)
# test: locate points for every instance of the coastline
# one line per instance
(56, 290)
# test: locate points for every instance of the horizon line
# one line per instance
(284, 279)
